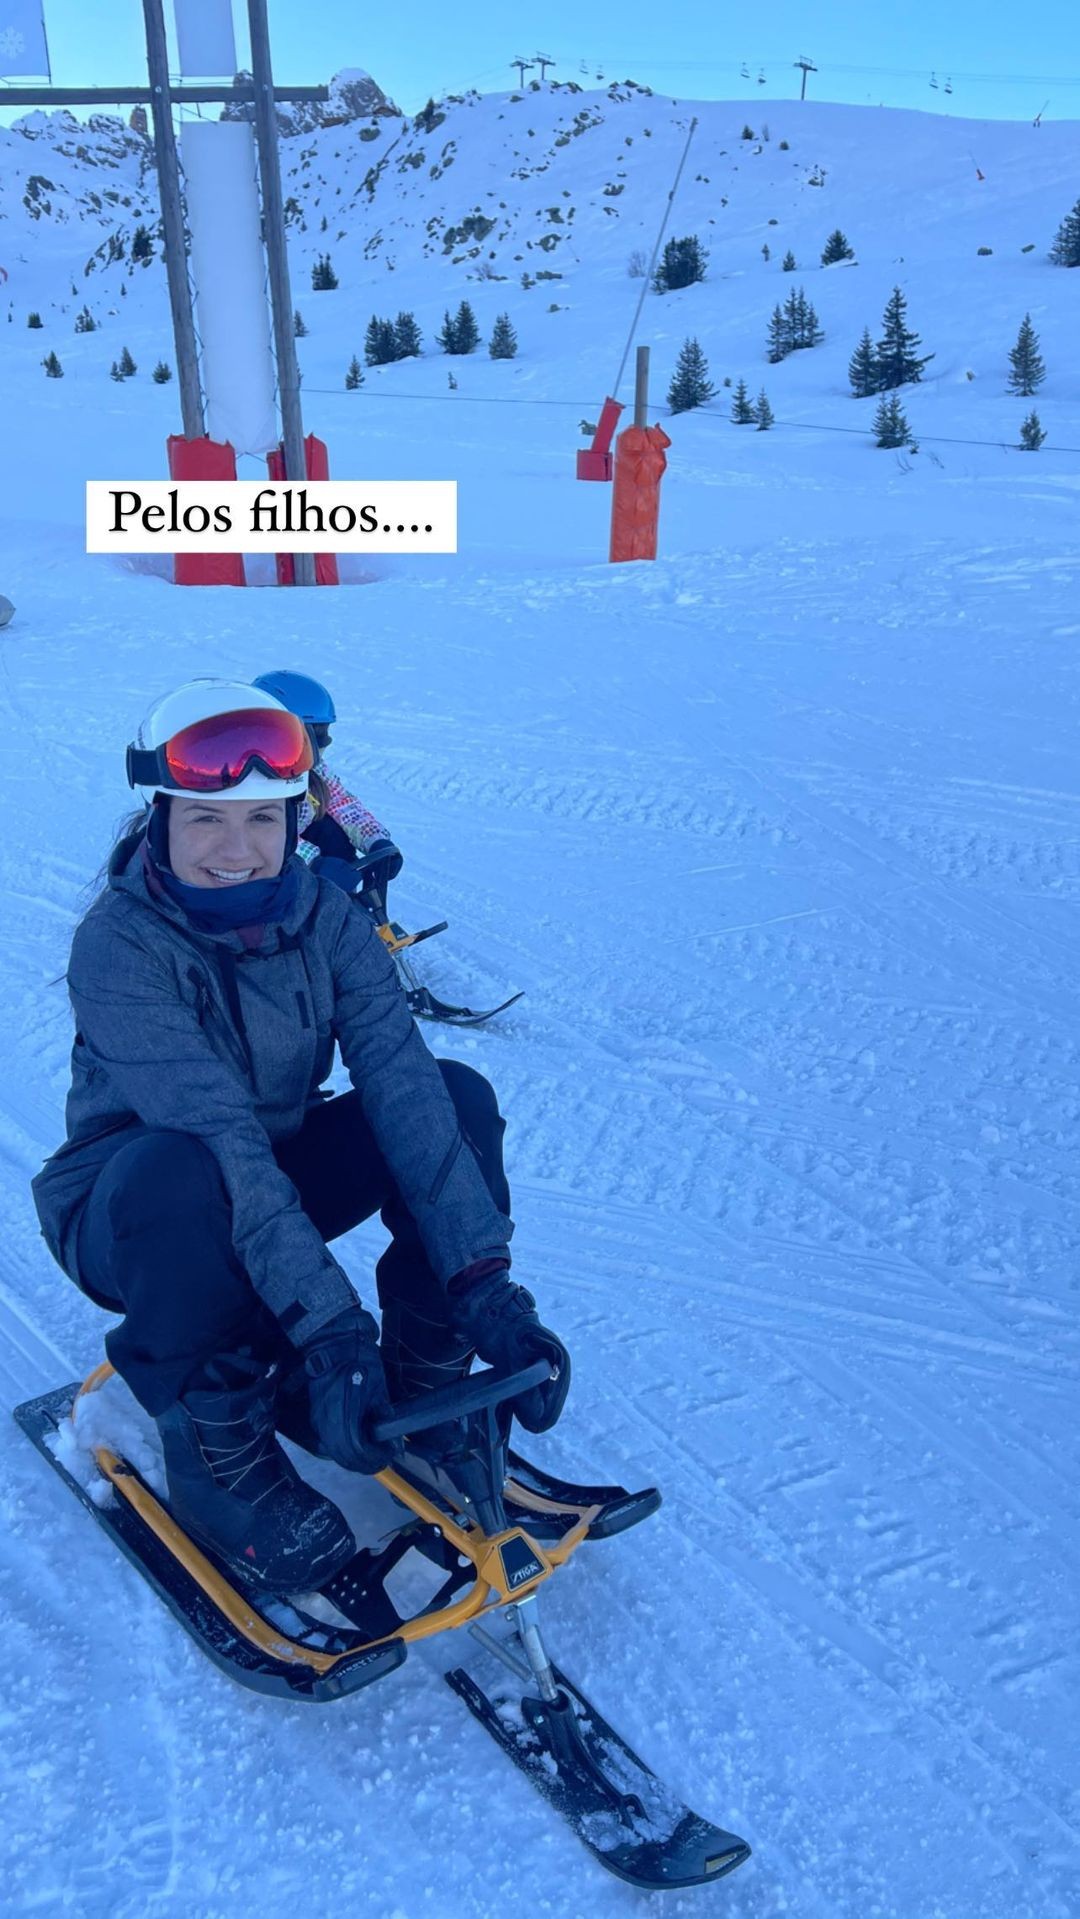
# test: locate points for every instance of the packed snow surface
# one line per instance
(780, 835)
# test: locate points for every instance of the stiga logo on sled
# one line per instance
(286, 516)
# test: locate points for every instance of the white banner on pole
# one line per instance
(229, 274)
(23, 48)
(204, 33)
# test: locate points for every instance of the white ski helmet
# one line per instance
(282, 743)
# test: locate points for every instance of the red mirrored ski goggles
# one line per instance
(210, 755)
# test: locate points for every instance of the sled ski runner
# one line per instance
(423, 1004)
(495, 1528)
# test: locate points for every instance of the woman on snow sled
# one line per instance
(339, 839)
(205, 1169)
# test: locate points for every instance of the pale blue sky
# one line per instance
(1004, 62)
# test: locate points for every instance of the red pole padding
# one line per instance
(635, 498)
(317, 463)
(204, 459)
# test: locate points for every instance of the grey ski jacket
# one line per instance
(192, 1032)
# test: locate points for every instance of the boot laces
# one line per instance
(230, 1464)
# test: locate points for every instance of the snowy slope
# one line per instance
(780, 835)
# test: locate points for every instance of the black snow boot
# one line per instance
(234, 1490)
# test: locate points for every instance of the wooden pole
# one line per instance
(172, 219)
(292, 425)
(641, 387)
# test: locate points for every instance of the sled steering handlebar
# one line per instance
(470, 1395)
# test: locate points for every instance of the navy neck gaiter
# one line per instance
(226, 909)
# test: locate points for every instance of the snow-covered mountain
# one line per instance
(538, 202)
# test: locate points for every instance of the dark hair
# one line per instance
(132, 824)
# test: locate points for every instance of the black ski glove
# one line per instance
(348, 874)
(381, 863)
(347, 1390)
(499, 1318)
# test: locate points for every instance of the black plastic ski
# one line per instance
(424, 1005)
(274, 1666)
(630, 1822)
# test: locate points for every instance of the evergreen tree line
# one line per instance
(401, 339)
(792, 326)
(388, 340)
(691, 387)
(893, 362)
(681, 264)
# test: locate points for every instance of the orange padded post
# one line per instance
(635, 500)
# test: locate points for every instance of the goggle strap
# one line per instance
(143, 766)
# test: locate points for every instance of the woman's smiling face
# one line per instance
(215, 842)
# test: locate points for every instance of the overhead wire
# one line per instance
(666, 412)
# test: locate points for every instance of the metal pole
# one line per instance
(641, 387)
(172, 219)
(292, 425)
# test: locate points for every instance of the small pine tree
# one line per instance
(85, 322)
(52, 367)
(742, 407)
(896, 359)
(890, 423)
(142, 246)
(765, 254)
(690, 383)
(777, 345)
(379, 341)
(836, 248)
(764, 412)
(682, 264)
(114, 372)
(451, 382)
(446, 338)
(162, 373)
(863, 368)
(323, 277)
(1032, 433)
(503, 342)
(298, 327)
(466, 331)
(33, 319)
(798, 324)
(355, 376)
(747, 133)
(788, 263)
(408, 340)
(1027, 371)
(1065, 251)
(127, 364)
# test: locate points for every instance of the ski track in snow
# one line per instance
(781, 837)
(780, 1177)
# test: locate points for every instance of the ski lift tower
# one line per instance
(807, 66)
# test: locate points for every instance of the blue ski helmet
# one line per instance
(305, 697)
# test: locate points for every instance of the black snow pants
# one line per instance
(155, 1244)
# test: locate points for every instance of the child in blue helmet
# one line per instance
(339, 839)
